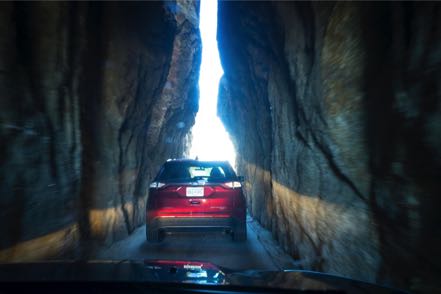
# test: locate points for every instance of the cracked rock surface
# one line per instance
(94, 97)
(334, 109)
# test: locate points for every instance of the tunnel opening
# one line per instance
(210, 139)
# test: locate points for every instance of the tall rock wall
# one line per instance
(335, 111)
(94, 97)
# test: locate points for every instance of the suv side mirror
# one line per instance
(241, 178)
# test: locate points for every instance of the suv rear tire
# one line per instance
(152, 236)
(240, 232)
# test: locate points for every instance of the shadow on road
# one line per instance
(258, 252)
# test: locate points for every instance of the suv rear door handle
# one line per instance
(195, 202)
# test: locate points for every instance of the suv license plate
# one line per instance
(194, 192)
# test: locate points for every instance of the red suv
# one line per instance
(191, 195)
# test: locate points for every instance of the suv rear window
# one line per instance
(210, 171)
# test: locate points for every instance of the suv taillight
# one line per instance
(233, 184)
(156, 185)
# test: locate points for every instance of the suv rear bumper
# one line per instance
(190, 223)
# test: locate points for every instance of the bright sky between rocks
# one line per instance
(210, 140)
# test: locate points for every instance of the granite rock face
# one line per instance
(95, 96)
(335, 111)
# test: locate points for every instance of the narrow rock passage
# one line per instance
(260, 252)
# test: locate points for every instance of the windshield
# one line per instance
(211, 171)
(221, 142)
